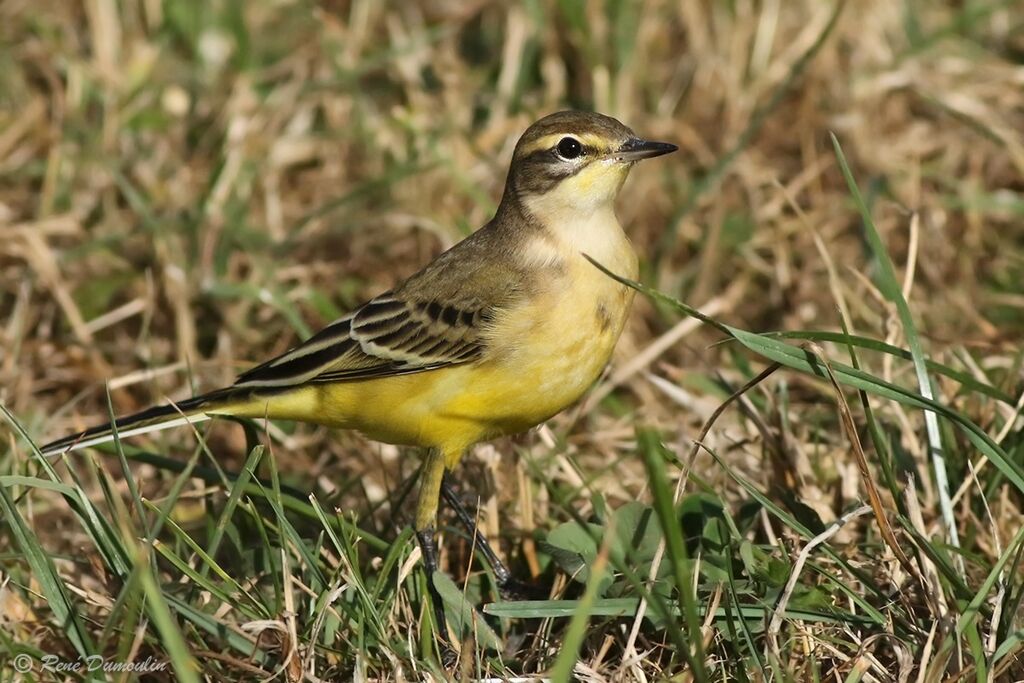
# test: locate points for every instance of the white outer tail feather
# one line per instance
(125, 433)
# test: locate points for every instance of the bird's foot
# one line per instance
(514, 589)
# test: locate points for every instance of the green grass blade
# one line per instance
(793, 523)
(627, 607)
(185, 667)
(654, 459)
(733, 608)
(257, 610)
(462, 616)
(890, 287)
(349, 557)
(51, 584)
(126, 472)
(565, 663)
(96, 525)
(12, 480)
(966, 380)
(805, 361)
(237, 489)
(288, 531)
(241, 643)
(291, 500)
(970, 613)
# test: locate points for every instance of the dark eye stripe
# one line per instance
(541, 170)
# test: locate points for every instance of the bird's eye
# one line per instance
(569, 148)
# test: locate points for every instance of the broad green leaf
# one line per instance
(462, 616)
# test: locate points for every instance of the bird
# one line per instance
(496, 335)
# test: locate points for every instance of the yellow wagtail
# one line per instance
(496, 335)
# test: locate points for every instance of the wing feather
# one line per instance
(441, 316)
(386, 336)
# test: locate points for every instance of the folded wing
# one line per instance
(436, 319)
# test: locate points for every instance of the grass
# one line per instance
(836, 450)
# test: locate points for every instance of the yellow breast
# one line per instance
(554, 348)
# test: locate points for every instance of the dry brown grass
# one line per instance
(186, 191)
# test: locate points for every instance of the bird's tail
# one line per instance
(152, 419)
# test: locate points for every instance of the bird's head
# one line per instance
(575, 162)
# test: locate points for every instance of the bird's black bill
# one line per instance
(635, 150)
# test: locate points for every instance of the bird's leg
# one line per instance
(501, 573)
(426, 517)
(428, 546)
(508, 586)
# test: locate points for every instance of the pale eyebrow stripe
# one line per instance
(546, 142)
(549, 141)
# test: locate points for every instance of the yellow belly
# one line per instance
(541, 358)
